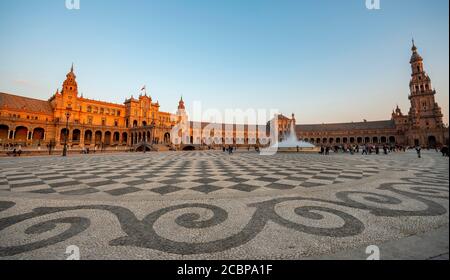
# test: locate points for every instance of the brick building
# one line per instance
(68, 117)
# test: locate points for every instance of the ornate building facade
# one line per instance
(70, 118)
(423, 125)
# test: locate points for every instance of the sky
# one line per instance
(326, 61)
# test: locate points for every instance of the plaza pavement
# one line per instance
(211, 205)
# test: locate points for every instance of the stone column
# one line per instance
(82, 131)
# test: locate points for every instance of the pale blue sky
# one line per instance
(326, 61)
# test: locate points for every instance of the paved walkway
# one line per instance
(200, 205)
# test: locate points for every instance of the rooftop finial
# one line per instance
(414, 48)
(71, 68)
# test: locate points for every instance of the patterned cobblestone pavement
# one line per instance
(201, 205)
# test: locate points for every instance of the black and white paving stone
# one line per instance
(211, 205)
(169, 173)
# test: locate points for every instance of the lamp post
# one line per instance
(67, 134)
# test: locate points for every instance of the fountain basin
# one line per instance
(299, 150)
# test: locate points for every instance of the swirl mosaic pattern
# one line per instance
(423, 194)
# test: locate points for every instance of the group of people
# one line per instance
(16, 152)
(444, 150)
(366, 149)
(229, 149)
(371, 149)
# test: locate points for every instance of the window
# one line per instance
(118, 113)
(89, 109)
(102, 110)
(103, 122)
(116, 123)
(89, 121)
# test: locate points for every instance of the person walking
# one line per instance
(419, 151)
(364, 150)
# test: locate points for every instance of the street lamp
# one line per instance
(67, 134)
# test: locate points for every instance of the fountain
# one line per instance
(290, 143)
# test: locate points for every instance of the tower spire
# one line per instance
(71, 68)
(181, 104)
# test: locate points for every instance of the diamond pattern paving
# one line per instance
(199, 172)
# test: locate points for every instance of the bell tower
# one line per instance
(70, 89)
(424, 113)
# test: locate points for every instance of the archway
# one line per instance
(116, 137)
(167, 138)
(98, 137)
(359, 140)
(135, 124)
(392, 140)
(432, 142)
(383, 140)
(189, 148)
(87, 137)
(64, 135)
(21, 133)
(76, 136)
(375, 140)
(144, 123)
(124, 138)
(4, 129)
(367, 140)
(107, 138)
(38, 134)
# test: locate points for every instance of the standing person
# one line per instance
(322, 150)
(364, 150)
(444, 151)
(419, 151)
(327, 150)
